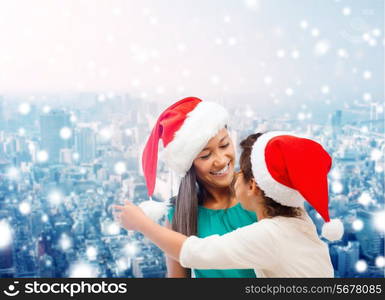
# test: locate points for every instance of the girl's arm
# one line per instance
(132, 217)
(247, 247)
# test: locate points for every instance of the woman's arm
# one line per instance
(174, 269)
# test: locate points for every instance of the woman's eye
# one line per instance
(205, 156)
(224, 146)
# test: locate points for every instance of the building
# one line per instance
(51, 125)
(347, 258)
(66, 156)
(85, 144)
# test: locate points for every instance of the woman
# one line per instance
(198, 148)
(279, 172)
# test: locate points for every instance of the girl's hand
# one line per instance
(129, 216)
(132, 217)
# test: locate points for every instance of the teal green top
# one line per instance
(221, 221)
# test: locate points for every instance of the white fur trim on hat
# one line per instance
(201, 124)
(333, 230)
(153, 209)
(272, 188)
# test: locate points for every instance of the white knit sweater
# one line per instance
(276, 247)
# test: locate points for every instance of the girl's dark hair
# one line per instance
(273, 208)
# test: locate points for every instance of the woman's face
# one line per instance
(214, 165)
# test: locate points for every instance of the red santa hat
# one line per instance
(290, 170)
(184, 128)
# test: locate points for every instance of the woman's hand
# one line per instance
(130, 216)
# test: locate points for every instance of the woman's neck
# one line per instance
(219, 198)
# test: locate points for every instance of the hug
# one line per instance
(227, 223)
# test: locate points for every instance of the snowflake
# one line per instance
(214, 79)
(342, 53)
(281, 53)
(379, 221)
(91, 253)
(21, 131)
(315, 32)
(346, 11)
(361, 266)
(367, 97)
(295, 54)
(232, 41)
(25, 208)
(376, 32)
(267, 80)
(130, 249)
(24, 108)
(358, 225)
(376, 154)
(325, 89)
(304, 24)
(82, 270)
(322, 47)
(289, 91)
(380, 262)
(65, 133)
(365, 199)
(367, 75)
(5, 233)
(337, 187)
(120, 168)
(65, 242)
(55, 198)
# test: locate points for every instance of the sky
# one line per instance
(272, 51)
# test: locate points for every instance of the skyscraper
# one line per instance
(336, 123)
(85, 144)
(347, 259)
(55, 128)
(369, 238)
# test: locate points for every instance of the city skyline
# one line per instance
(54, 209)
(83, 82)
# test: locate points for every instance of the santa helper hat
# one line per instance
(291, 170)
(184, 128)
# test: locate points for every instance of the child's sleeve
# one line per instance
(245, 248)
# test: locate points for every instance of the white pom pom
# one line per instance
(333, 230)
(153, 209)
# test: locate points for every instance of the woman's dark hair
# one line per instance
(191, 194)
(273, 208)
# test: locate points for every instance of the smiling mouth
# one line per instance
(222, 172)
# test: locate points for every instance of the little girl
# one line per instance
(279, 171)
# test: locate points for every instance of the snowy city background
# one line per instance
(82, 83)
